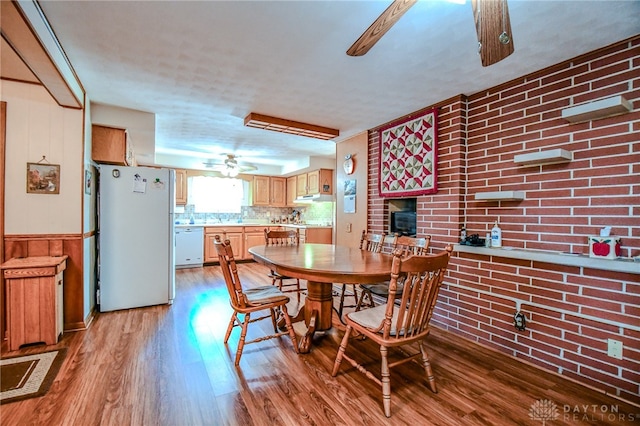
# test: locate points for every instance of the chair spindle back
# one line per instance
(281, 237)
(371, 242)
(412, 245)
(421, 278)
(230, 272)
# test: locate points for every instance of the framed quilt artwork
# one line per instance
(409, 157)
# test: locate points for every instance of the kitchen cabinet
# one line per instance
(301, 185)
(233, 234)
(181, 187)
(310, 234)
(253, 236)
(34, 289)
(110, 145)
(318, 235)
(269, 191)
(261, 191)
(278, 188)
(316, 182)
(292, 193)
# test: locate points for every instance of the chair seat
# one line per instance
(381, 289)
(372, 319)
(264, 295)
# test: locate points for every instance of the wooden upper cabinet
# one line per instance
(181, 187)
(269, 191)
(278, 189)
(316, 182)
(292, 192)
(301, 185)
(110, 145)
(261, 191)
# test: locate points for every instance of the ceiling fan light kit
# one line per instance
(260, 121)
(229, 167)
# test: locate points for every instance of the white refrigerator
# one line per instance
(136, 241)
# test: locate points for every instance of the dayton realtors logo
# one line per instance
(545, 410)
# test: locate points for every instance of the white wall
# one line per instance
(37, 126)
(349, 226)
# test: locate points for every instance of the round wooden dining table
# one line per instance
(322, 265)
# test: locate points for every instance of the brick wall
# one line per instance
(571, 311)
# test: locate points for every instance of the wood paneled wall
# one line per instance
(56, 245)
(571, 311)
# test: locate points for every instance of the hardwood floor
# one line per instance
(168, 365)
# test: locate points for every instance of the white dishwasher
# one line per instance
(189, 246)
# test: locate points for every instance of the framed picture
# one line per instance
(87, 182)
(43, 178)
(409, 157)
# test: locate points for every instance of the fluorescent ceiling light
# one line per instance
(282, 125)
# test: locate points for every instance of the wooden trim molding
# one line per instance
(3, 142)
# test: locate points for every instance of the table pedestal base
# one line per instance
(316, 312)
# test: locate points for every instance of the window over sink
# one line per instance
(215, 195)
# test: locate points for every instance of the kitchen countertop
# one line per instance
(236, 224)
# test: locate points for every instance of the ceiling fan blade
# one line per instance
(492, 20)
(380, 26)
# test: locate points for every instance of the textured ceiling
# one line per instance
(202, 66)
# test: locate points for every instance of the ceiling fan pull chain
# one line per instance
(504, 37)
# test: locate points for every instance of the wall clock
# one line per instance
(348, 164)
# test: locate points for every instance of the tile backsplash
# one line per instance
(314, 213)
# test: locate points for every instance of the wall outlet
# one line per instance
(614, 348)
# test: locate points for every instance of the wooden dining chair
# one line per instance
(393, 326)
(370, 242)
(407, 245)
(246, 302)
(283, 238)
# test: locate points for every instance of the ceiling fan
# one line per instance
(493, 27)
(230, 166)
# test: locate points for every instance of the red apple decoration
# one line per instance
(601, 248)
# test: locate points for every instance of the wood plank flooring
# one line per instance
(168, 365)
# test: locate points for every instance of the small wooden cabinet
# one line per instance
(110, 145)
(181, 187)
(316, 182)
(34, 291)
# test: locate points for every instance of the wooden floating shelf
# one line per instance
(608, 107)
(500, 196)
(552, 156)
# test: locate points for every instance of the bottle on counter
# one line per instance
(496, 236)
(463, 235)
